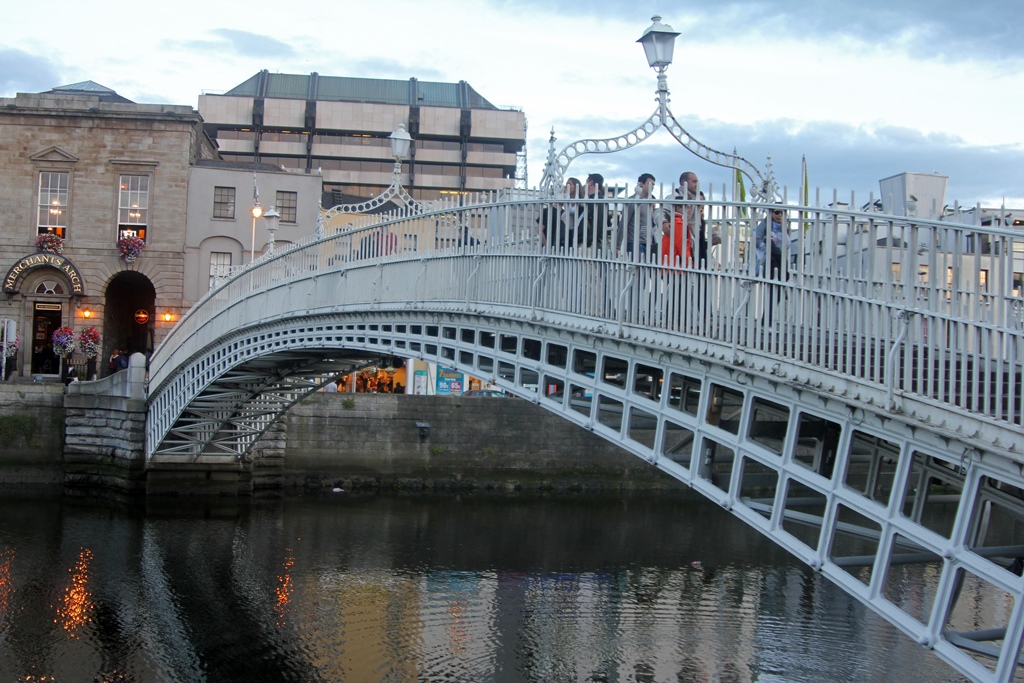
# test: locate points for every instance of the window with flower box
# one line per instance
(133, 206)
(53, 204)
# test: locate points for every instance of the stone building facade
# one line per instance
(84, 165)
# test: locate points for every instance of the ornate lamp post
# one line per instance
(271, 218)
(658, 42)
(400, 143)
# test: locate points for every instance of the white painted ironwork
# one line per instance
(837, 407)
(400, 143)
(658, 40)
(393, 191)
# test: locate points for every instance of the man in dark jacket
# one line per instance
(593, 234)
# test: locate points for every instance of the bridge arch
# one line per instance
(856, 493)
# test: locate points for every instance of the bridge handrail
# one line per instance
(886, 300)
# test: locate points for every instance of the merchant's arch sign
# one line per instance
(27, 264)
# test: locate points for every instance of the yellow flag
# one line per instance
(741, 192)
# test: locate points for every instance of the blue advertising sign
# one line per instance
(449, 381)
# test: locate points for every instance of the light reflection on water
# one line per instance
(471, 588)
(76, 607)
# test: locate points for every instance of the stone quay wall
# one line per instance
(31, 434)
(105, 431)
(373, 440)
(91, 436)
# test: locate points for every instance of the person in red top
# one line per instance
(681, 227)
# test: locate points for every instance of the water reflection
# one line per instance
(471, 588)
(6, 586)
(284, 589)
(76, 607)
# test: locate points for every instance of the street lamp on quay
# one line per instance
(270, 217)
(659, 43)
(257, 211)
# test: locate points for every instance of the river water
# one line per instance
(474, 588)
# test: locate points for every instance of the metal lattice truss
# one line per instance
(228, 415)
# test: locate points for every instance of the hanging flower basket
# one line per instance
(89, 342)
(11, 345)
(50, 243)
(129, 248)
(64, 341)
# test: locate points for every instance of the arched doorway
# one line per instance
(42, 289)
(48, 307)
(129, 314)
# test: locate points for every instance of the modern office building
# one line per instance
(339, 126)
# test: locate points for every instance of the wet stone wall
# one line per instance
(31, 434)
(376, 441)
(87, 442)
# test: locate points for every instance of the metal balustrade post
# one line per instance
(419, 278)
(470, 278)
(535, 287)
(621, 313)
(745, 284)
(890, 361)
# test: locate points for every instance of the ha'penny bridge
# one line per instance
(860, 404)
(865, 411)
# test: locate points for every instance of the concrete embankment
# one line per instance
(351, 441)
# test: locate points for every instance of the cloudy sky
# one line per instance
(864, 90)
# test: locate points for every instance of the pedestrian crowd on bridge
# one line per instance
(671, 233)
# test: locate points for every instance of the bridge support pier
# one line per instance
(105, 431)
(200, 478)
(261, 473)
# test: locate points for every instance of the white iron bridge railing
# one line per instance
(925, 317)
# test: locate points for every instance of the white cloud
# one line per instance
(843, 84)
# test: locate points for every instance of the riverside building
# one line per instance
(84, 168)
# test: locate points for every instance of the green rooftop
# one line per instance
(413, 92)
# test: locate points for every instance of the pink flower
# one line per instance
(49, 242)
(130, 246)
